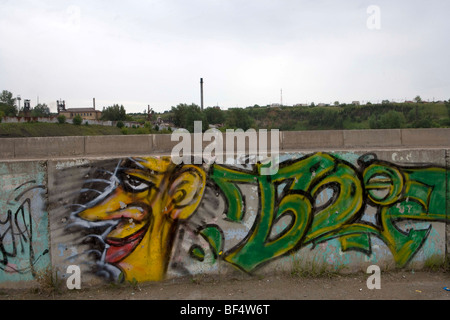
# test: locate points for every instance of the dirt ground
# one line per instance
(395, 285)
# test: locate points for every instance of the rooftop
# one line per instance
(81, 110)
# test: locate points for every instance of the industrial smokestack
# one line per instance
(93, 102)
(201, 92)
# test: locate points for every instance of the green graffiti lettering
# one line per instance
(398, 193)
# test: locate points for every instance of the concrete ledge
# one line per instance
(162, 143)
(51, 147)
(312, 139)
(118, 145)
(37, 147)
(372, 138)
(426, 137)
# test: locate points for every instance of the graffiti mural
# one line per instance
(24, 244)
(137, 212)
(397, 193)
(145, 218)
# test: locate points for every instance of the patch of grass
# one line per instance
(313, 269)
(48, 282)
(39, 129)
(122, 283)
(435, 263)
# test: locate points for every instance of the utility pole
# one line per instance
(201, 93)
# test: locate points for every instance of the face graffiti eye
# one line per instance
(135, 184)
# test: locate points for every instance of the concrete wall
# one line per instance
(98, 146)
(119, 209)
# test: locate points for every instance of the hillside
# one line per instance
(294, 118)
(284, 118)
(34, 129)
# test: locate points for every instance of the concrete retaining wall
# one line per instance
(98, 146)
(90, 202)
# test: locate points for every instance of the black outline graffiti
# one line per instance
(20, 229)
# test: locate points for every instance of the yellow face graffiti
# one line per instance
(152, 196)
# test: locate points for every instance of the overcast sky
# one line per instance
(154, 52)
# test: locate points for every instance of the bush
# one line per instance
(120, 124)
(77, 120)
(142, 131)
(390, 120)
(61, 119)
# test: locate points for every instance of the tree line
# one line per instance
(9, 108)
(385, 115)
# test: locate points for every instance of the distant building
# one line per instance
(85, 113)
(356, 103)
(26, 108)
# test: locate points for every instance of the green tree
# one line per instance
(61, 119)
(77, 120)
(6, 97)
(114, 113)
(8, 104)
(41, 110)
(184, 116)
(238, 118)
(214, 115)
(392, 120)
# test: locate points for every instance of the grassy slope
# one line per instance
(12, 130)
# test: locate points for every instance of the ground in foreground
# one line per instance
(401, 285)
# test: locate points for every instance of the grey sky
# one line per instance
(152, 52)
